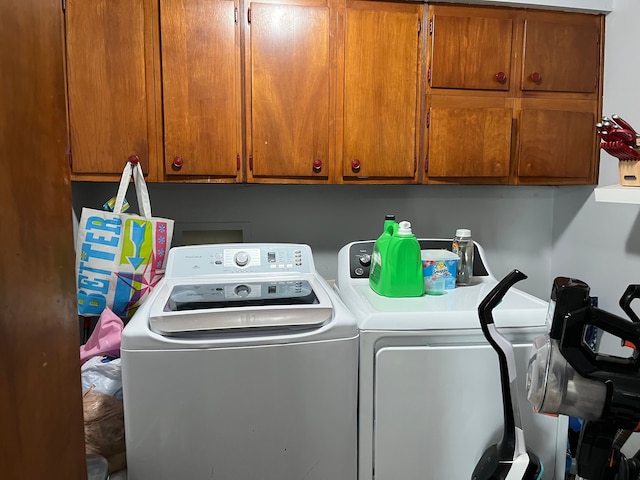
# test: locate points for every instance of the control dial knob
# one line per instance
(365, 260)
(241, 259)
(242, 290)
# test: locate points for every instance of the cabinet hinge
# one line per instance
(251, 162)
(431, 27)
(238, 162)
(428, 120)
(429, 75)
(249, 15)
(415, 164)
(64, 5)
(419, 26)
(426, 164)
(235, 15)
(70, 159)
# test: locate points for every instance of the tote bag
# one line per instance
(120, 257)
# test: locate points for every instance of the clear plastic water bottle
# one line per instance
(463, 247)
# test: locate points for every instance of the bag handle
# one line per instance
(133, 169)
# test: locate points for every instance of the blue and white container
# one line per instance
(439, 267)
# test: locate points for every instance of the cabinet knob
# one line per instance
(317, 165)
(355, 165)
(178, 162)
(501, 77)
(536, 77)
(134, 159)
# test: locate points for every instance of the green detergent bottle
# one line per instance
(378, 256)
(401, 268)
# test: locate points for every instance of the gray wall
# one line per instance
(513, 224)
(600, 242)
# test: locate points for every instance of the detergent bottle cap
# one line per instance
(463, 232)
(405, 228)
(389, 217)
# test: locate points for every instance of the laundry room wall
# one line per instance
(599, 243)
(513, 224)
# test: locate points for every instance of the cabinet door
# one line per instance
(556, 144)
(201, 88)
(469, 142)
(381, 90)
(110, 82)
(561, 56)
(470, 51)
(290, 80)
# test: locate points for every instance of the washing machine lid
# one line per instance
(197, 305)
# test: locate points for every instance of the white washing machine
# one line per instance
(429, 388)
(241, 365)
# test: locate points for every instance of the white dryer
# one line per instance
(429, 387)
(241, 365)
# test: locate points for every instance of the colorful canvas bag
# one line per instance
(120, 257)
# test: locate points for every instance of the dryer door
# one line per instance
(436, 409)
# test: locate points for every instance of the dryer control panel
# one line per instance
(235, 258)
(360, 256)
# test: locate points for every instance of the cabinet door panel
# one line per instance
(471, 52)
(107, 52)
(381, 93)
(556, 144)
(564, 56)
(201, 87)
(289, 90)
(469, 142)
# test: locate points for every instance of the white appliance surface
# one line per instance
(430, 401)
(228, 378)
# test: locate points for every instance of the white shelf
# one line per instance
(618, 194)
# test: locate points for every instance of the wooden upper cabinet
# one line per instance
(470, 50)
(201, 88)
(513, 95)
(381, 90)
(332, 91)
(562, 55)
(289, 90)
(556, 144)
(469, 141)
(109, 50)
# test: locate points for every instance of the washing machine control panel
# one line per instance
(196, 260)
